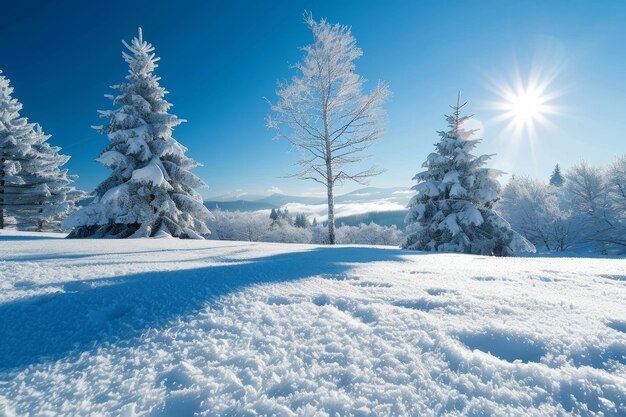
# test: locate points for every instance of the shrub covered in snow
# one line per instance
(235, 225)
(258, 227)
(255, 227)
(369, 234)
(453, 208)
(319, 234)
(287, 233)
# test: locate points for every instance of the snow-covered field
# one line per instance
(166, 327)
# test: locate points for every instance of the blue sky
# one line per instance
(220, 59)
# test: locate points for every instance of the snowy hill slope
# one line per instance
(165, 327)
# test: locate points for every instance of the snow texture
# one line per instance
(169, 327)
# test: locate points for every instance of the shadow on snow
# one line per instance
(33, 236)
(103, 311)
(49, 257)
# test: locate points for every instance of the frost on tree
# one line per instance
(34, 192)
(598, 202)
(537, 211)
(151, 191)
(453, 208)
(325, 114)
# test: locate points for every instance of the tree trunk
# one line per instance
(330, 180)
(2, 192)
(331, 211)
(39, 220)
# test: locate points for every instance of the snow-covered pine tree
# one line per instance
(34, 192)
(556, 179)
(453, 210)
(151, 190)
(51, 199)
(301, 221)
(273, 215)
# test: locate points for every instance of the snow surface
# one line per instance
(168, 327)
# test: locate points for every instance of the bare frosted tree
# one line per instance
(535, 210)
(324, 113)
(593, 201)
(616, 181)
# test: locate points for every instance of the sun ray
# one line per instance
(525, 104)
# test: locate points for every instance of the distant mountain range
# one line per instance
(238, 205)
(280, 200)
(381, 218)
(400, 195)
(384, 206)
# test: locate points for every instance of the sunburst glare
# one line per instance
(526, 104)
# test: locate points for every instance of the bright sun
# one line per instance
(525, 105)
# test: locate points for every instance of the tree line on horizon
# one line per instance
(323, 111)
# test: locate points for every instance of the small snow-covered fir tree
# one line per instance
(273, 215)
(301, 221)
(34, 192)
(151, 190)
(453, 210)
(556, 179)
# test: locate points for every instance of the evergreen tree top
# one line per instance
(9, 106)
(27, 141)
(453, 163)
(142, 60)
(455, 120)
